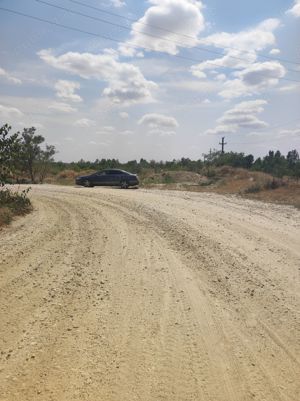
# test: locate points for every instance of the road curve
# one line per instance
(124, 295)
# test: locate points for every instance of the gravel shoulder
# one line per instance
(107, 294)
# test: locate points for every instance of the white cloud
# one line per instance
(161, 132)
(85, 123)
(240, 48)
(10, 112)
(253, 79)
(274, 52)
(62, 107)
(126, 83)
(154, 120)
(206, 101)
(182, 16)
(66, 90)
(126, 132)
(290, 133)
(241, 116)
(254, 39)
(290, 88)
(118, 3)
(295, 10)
(108, 128)
(6, 75)
(240, 51)
(124, 115)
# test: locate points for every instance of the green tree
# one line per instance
(9, 152)
(44, 162)
(293, 162)
(34, 160)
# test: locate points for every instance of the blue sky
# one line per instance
(174, 82)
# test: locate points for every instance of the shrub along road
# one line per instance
(107, 294)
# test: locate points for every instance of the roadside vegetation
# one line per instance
(274, 178)
(22, 160)
(26, 159)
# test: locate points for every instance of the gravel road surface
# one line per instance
(124, 295)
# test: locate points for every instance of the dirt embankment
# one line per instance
(130, 295)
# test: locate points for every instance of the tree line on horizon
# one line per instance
(25, 154)
(274, 163)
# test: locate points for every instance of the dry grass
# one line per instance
(229, 180)
(13, 203)
(222, 180)
(5, 216)
(66, 177)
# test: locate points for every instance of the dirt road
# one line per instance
(123, 295)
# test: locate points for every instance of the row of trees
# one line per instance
(273, 163)
(24, 154)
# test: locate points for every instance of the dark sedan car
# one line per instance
(110, 177)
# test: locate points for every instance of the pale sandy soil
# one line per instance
(123, 295)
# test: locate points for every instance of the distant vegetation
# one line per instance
(25, 158)
(274, 163)
(21, 159)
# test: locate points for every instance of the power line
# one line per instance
(176, 33)
(116, 40)
(181, 44)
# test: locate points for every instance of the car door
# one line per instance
(114, 177)
(101, 178)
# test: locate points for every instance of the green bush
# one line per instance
(5, 216)
(16, 202)
(274, 184)
(253, 189)
(168, 179)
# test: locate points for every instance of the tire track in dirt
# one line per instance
(143, 295)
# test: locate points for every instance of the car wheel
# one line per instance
(124, 184)
(87, 184)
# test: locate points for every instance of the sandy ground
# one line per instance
(123, 295)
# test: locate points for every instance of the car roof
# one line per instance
(116, 169)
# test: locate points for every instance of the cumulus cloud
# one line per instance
(159, 124)
(154, 120)
(274, 52)
(290, 133)
(240, 51)
(9, 112)
(253, 39)
(126, 132)
(162, 132)
(85, 123)
(8, 77)
(66, 90)
(295, 10)
(126, 83)
(124, 115)
(106, 130)
(253, 79)
(241, 116)
(62, 107)
(118, 3)
(240, 48)
(289, 88)
(182, 16)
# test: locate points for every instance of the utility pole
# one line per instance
(223, 143)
